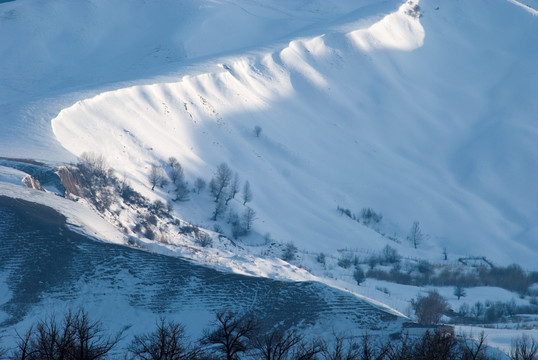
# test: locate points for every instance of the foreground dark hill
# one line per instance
(46, 268)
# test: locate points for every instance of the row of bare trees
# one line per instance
(75, 337)
(236, 336)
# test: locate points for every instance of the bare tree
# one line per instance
(182, 191)
(247, 193)
(232, 333)
(307, 351)
(248, 218)
(415, 234)
(472, 349)
(89, 339)
(358, 275)
(24, 349)
(277, 345)
(459, 291)
(257, 130)
(93, 164)
(372, 351)
(403, 350)
(438, 345)
(220, 181)
(76, 338)
(524, 348)
(341, 350)
(199, 184)
(233, 188)
(167, 342)
(390, 255)
(175, 171)
(220, 208)
(430, 308)
(177, 175)
(156, 176)
(53, 340)
(477, 310)
(237, 227)
(95, 180)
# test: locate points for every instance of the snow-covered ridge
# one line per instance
(405, 115)
(528, 8)
(424, 111)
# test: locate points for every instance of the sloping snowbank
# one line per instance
(86, 221)
(412, 115)
(79, 216)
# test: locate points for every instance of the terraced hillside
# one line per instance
(45, 267)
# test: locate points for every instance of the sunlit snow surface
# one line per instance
(424, 113)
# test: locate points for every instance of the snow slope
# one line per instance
(125, 288)
(54, 53)
(421, 110)
(421, 113)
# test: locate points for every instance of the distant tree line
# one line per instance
(511, 277)
(234, 336)
(388, 265)
(489, 312)
(367, 216)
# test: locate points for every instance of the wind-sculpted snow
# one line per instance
(45, 269)
(426, 112)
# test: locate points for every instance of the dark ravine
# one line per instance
(42, 259)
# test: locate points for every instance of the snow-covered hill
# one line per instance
(423, 111)
(423, 114)
(57, 269)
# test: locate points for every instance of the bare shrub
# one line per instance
(156, 176)
(415, 234)
(345, 261)
(430, 308)
(390, 255)
(321, 258)
(220, 181)
(290, 250)
(199, 184)
(358, 275)
(369, 216)
(232, 334)
(524, 348)
(204, 240)
(167, 342)
(76, 337)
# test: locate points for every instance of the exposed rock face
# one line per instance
(32, 183)
(71, 181)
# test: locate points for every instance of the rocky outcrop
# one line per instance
(32, 183)
(70, 180)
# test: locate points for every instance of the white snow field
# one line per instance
(424, 111)
(426, 115)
